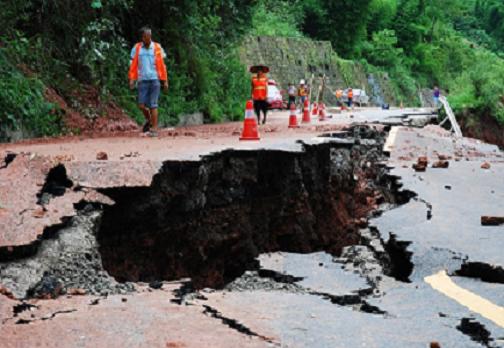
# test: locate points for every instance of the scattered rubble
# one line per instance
(421, 165)
(66, 259)
(486, 165)
(130, 155)
(101, 156)
(253, 280)
(441, 164)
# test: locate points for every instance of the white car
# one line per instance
(359, 97)
(275, 98)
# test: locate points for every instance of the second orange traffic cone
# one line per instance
(250, 131)
(293, 118)
(306, 112)
(322, 113)
(315, 109)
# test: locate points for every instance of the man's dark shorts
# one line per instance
(148, 93)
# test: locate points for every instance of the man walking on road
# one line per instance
(148, 68)
(260, 92)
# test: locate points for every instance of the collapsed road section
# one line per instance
(210, 219)
(229, 221)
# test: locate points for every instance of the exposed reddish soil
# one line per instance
(107, 116)
(487, 129)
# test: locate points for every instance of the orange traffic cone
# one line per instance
(250, 131)
(306, 112)
(322, 113)
(293, 118)
(315, 109)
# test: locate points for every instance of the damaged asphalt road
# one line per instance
(305, 271)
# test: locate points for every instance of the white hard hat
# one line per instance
(302, 82)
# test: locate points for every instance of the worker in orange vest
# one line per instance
(302, 92)
(339, 95)
(148, 69)
(350, 97)
(260, 93)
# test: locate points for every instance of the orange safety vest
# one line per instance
(350, 94)
(302, 92)
(160, 65)
(259, 88)
(339, 93)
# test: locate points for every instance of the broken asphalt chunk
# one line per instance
(156, 284)
(486, 165)
(421, 164)
(492, 220)
(441, 164)
(101, 156)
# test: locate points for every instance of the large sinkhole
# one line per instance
(209, 219)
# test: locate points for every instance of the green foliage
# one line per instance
(22, 103)
(381, 15)
(346, 67)
(481, 89)
(491, 18)
(383, 51)
(278, 18)
(341, 22)
(103, 53)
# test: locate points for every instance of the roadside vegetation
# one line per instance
(66, 44)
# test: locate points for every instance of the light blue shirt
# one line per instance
(147, 62)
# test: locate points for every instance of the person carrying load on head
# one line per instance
(260, 91)
(148, 70)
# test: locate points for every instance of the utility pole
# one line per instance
(310, 93)
(320, 96)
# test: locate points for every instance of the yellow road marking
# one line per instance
(442, 283)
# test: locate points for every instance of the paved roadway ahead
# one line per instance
(331, 306)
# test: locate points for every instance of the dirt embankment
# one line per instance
(89, 113)
(485, 127)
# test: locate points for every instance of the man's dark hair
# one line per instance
(144, 30)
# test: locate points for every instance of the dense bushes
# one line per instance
(23, 106)
(72, 42)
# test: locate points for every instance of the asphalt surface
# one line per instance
(327, 302)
